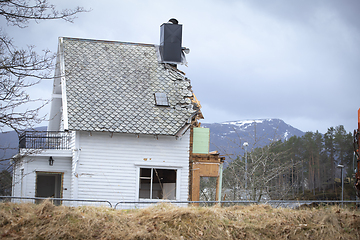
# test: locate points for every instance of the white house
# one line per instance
(120, 124)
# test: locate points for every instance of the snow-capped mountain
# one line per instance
(229, 137)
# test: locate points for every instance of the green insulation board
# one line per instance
(201, 140)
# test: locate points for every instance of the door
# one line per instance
(49, 185)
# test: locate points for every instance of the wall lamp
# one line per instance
(51, 161)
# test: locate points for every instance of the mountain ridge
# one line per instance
(226, 137)
(229, 136)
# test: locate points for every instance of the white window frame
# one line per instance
(178, 184)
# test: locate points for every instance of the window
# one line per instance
(161, 99)
(157, 184)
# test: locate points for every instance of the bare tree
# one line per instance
(265, 166)
(260, 175)
(21, 68)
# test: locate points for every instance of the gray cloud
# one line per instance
(295, 60)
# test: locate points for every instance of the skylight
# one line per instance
(161, 99)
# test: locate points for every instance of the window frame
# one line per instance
(161, 99)
(177, 183)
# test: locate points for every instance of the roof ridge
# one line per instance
(106, 41)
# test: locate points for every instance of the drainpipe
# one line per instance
(77, 161)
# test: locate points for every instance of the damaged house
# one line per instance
(121, 125)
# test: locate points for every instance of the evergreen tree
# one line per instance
(294, 167)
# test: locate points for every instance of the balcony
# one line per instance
(44, 140)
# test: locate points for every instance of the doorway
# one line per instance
(49, 185)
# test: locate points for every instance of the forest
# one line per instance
(299, 168)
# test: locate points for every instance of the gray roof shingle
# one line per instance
(110, 86)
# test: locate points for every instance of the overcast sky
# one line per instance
(249, 59)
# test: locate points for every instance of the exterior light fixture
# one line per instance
(51, 161)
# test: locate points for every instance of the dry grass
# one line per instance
(164, 221)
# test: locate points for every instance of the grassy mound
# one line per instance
(164, 221)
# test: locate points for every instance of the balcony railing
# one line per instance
(44, 140)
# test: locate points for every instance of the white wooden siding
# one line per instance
(16, 181)
(40, 163)
(108, 164)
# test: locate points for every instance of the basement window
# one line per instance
(157, 184)
(161, 99)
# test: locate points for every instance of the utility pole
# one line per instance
(246, 190)
(342, 184)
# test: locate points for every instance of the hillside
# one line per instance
(165, 221)
(228, 137)
(8, 147)
(9, 143)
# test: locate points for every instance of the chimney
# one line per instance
(170, 41)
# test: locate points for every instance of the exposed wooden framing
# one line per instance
(202, 165)
(202, 169)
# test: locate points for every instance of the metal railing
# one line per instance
(307, 203)
(273, 203)
(44, 140)
(143, 204)
(60, 201)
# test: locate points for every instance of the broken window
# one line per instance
(157, 184)
(208, 187)
(161, 99)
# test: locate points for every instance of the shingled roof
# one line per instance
(111, 86)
